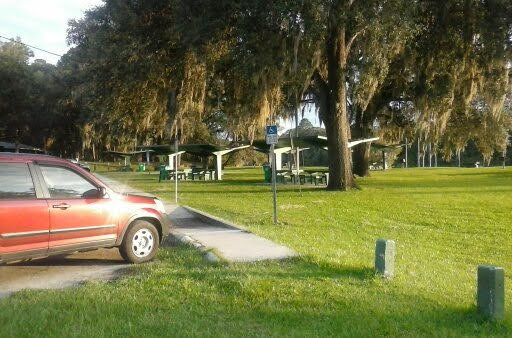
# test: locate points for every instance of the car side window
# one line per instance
(64, 183)
(16, 182)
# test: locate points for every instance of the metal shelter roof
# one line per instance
(23, 148)
(202, 150)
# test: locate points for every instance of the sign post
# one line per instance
(272, 138)
(176, 170)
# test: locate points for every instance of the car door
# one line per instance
(79, 217)
(24, 215)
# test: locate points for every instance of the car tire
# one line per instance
(140, 243)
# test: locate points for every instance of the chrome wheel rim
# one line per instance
(142, 243)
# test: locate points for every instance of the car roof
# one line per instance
(26, 157)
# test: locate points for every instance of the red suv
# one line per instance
(51, 206)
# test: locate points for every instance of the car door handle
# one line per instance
(62, 206)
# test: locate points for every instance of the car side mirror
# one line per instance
(102, 192)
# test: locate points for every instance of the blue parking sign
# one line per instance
(271, 136)
(271, 130)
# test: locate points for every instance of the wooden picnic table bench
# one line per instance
(202, 174)
(313, 176)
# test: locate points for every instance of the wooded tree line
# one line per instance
(143, 72)
(34, 102)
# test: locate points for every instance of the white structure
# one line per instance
(279, 156)
(218, 160)
(278, 152)
(171, 159)
(353, 143)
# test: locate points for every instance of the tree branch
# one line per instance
(353, 38)
(317, 77)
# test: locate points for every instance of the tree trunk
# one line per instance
(336, 119)
(361, 157)
(363, 129)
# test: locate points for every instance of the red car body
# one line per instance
(42, 214)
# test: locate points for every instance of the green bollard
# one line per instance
(491, 291)
(385, 258)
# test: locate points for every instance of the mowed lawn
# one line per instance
(445, 223)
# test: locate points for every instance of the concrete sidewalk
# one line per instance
(206, 232)
(228, 240)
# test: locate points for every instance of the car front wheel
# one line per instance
(140, 243)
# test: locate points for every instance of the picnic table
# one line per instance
(202, 174)
(313, 176)
(167, 174)
(317, 176)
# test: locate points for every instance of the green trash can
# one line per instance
(267, 171)
(164, 175)
(141, 168)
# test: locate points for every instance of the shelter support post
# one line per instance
(218, 160)
(278, 161)
(171, 161)
(218, 167)
(278, 156)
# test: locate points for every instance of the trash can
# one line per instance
(267, 171)
(163, 174)
(141, 168)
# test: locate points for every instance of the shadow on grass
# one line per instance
(180, 294)
(302, 267)
(306, 297)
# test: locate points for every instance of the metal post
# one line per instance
(297, 157)
(297, 165)
(418, 155)
(176, 170)
(274, 194)
(430, 155)
(406, 157)
(505, 153)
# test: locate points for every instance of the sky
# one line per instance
(41, 23)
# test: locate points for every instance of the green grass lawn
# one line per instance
(445, 222)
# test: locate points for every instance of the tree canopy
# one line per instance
(143, 72)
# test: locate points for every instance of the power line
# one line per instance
(42, 50)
